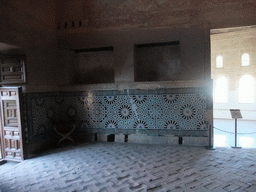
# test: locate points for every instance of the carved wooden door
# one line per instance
(11, 132)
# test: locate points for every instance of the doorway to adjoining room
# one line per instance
(233, 65)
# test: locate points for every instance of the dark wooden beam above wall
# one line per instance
(94, 49)
(158, 44)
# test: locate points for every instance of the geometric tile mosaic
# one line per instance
(158, 110)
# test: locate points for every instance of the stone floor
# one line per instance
(110, 167)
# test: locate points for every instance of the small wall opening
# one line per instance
(180, 140)
(125, 138)
(111, 138)
(96, 137)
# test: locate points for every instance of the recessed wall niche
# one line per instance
(95, 66)
(157, 61)
(12, 64)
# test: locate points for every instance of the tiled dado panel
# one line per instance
(154, 112)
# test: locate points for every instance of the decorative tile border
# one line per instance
(153, 112)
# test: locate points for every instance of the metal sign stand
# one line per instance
(235, 113)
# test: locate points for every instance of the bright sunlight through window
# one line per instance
(245, 59)
(220, 93)
(220, 140)
(246, 142)
(246, 89)
(219, 61)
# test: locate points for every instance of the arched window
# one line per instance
(219, 61)
(220, 93)
(245, 59)
(246, 89)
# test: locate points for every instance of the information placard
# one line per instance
(235, 113)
